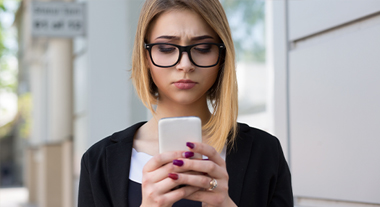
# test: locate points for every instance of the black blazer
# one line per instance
(258, 173)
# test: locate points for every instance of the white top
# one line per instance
(139, 159)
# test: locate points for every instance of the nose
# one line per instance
(184, 63)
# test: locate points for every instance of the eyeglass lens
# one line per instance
(202, 54)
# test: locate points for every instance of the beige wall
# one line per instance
(50, 174)
(31, 174)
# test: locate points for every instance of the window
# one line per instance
(247, 22)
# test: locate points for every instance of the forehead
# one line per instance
(183, 24)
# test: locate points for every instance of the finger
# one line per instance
(170, 184)
(200, 181)
(158, 160)
(169, 197)
(209, 197)
(206, 150)
(157, 175)
(162, 173)
(178, 194)
(203, 166)
(166, 185)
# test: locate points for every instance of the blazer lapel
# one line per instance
(237, 162)
(118, 161)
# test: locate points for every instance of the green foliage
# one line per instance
(8, 74)
(8, 77)
(2, 47)
(24, 115)
(22, 120)
(247, 21)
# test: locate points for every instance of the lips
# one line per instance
(185, 84)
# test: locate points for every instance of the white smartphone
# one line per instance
(174, 132)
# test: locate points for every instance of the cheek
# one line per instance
(157, 76)
(213, 76)
(213, 79)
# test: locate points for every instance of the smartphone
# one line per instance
(174, 132)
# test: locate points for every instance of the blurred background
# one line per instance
(308, 72)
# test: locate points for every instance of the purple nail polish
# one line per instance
(188, 154)
(178, 162)
(190, 145)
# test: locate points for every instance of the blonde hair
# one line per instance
(221, 127)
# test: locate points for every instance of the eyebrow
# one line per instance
(202, 37)
(168, 37)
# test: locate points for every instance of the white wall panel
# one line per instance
(59, 90)
(104, 99)
(80, 84)
(107, 68)
(335, 114)
(312, 16)
(276, 60)
(38, 84)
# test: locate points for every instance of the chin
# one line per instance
(187, 100)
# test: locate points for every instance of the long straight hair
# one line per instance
(221, 127)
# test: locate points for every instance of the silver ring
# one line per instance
(213, 185)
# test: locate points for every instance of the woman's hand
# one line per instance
(158, 181)
(213, 168)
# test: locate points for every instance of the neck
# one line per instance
(165, 109)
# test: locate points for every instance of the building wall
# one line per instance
(104, 98)
(330, 78)
(81, 93)
(48, 61)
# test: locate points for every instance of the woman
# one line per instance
(183, 59)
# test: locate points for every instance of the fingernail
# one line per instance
(173, 176)
(188, 154)
(178, 162)
(190, 145)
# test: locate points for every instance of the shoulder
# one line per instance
(259, 141)
(258, 159)
(257, 135)
(260, 147)
(97, 150)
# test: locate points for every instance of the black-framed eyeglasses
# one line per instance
(202, 55)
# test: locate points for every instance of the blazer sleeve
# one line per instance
(85, 196)
(283, 194)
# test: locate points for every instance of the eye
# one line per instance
(166, 48)
(204, 48)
